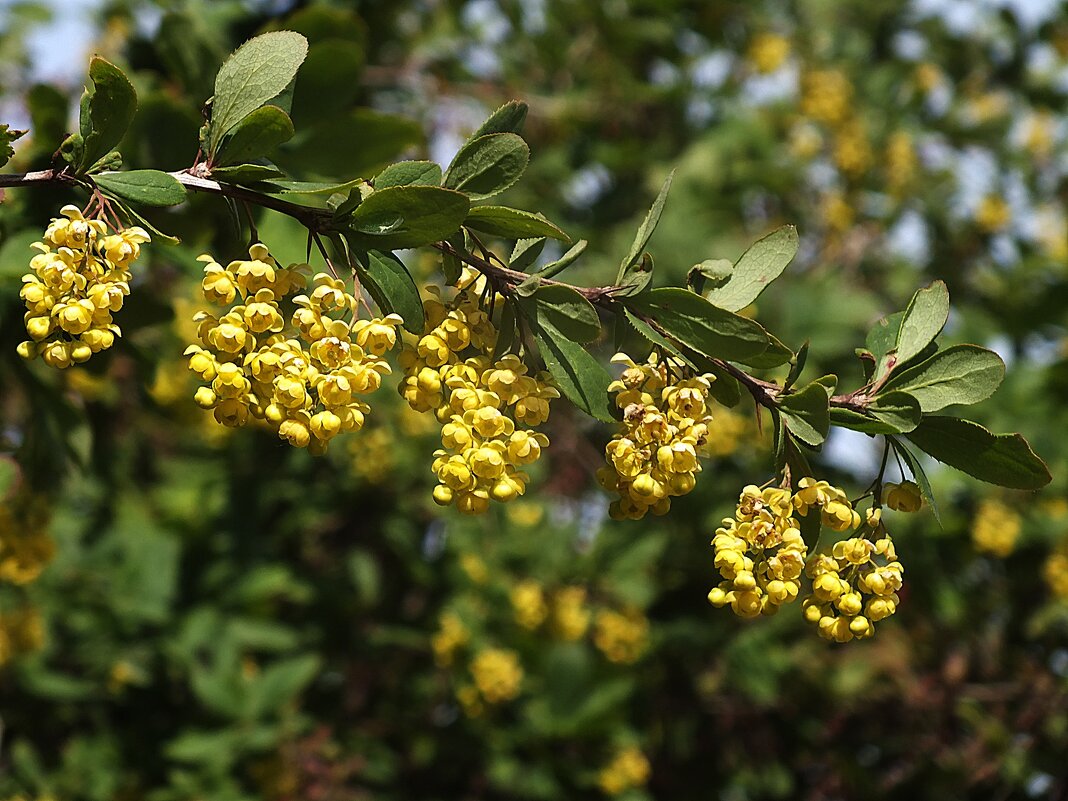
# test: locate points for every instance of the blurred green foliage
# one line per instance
(226, 618)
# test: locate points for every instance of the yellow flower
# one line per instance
(528, 604)
(621, 636)
(628, 769)
(450, 637)
(995, 528)
(993, 214)
(768, 51)
(852, 150)
(903, 497)
(1055, 571)
(826, 96)
(474, 568)
(571, 618)
(497, 674)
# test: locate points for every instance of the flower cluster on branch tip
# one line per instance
(488, 407)
(78, 280)
(301, 373)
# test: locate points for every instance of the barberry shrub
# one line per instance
(495, 337)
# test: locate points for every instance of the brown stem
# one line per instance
(764, 393)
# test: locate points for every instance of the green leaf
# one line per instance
(279, 683)
(645, 230)
(158, 236)
(759, 266)
(636, 278)
(710, 274)
(725, 387)
(146, 187)
(564, 309)
(691, 320)
(407, 217)
(923, 320)
(509, 223)
(286, 187)
(7, 136)
(855, 421)
(509, 118)
(506, 331)
(775, 355)
(256, 136)
(919, 475)
(391, 285)
(807, 414)
(898, 409)
(1003, 459)
(962, 374)
(255, 74)
(565, 261)
(526, 252)
(488, 165)
(579, 375)
(797, 364)
(106, 111)
(879, 345)
(409, 173)
(245, 173)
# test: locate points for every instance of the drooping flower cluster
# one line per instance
(655, 455)
(1055, 571)
(995, 528)
(25, 546)
(497, 674)
(760, 553)
(621, 636)
(25, 550)
(304, 379)
(854, 586)
(628, 769)
(488, 408)
(78, 280)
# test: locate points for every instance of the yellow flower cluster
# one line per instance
(903, 497)
(826, 96)
(570, 617)
(21, 632)
(488, 408)
(628, 769)
(497, 674)
(452, 635)
(655, 455)
(303, 379)
(80, 278)
(852, 150)
(768, 51)
(621, 636)
(995, 528)
(993, 214)
(759, 553)
(853, 587)
(528, 604)
(835, 509)
(1055, 571)
(25, 547)
(900, 162)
